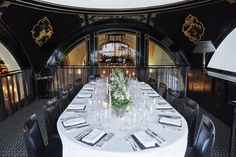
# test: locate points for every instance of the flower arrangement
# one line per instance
(120, 95)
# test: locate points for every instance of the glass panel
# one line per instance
(20, 79)
(78, 55)
(116, 48)
(157, 55)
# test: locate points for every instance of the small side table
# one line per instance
(233, 130)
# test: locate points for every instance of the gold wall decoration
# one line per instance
(193, 28)
(42, 31)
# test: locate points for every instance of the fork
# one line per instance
(131, 144)
(105, 139)
(83, 133)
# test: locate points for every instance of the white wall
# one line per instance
(224, 57)
(8, 59)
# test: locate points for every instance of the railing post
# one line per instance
(2, 103)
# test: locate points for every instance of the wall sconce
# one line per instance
(204, 47)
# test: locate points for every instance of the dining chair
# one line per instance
(162, 90)
(152, 82)
(171, 96)
(178, 104)
(190, 112)
(51, 110)
(77, 85)
(34, 141)
(204, 141)
(64, 100)
(72, 91)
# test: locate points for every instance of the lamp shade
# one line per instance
(204, 47)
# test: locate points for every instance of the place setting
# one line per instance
(84, 95)
(170, 122)
(76, 108)
(144, 139)
(70, 123)
(94, 137)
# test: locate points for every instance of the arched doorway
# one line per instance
(139, 43)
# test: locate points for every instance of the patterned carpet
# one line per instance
(12, 145)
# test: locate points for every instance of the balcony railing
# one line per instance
(175, 77)
(16, 91)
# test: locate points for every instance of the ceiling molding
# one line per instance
(231, 1)
(137, 17)
(59, 8)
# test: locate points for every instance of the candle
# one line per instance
(109, 95)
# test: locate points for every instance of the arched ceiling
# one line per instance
(111, 4)
(20, 16)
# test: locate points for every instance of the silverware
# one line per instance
(168, 116)
(164, 126)
(83, 133)
(76, 127)
(134, 142)
(105, 139)
(151, 135)
(76, 111)
(155, 134)
(71, 117)
(130, 143)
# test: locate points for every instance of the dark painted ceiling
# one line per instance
(18, 17)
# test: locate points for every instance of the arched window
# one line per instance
(157, 55)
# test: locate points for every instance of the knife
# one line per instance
(155, 134)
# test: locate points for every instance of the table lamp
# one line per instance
(204, 47)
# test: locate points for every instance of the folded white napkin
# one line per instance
(162, 101)
(146, 87)
(76, 107)
(86, 92)
(92, 83)
(163, 107)
(145, 139)
(142, 83)
(88, 88)
(93, 136)
(153, 94)
(166, 120)
(78, 101)
(84, 95)
(74, 121)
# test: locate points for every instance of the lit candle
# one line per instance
(109, 95)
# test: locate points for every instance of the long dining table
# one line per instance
(150, 127)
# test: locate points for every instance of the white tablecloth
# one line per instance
(175, 145)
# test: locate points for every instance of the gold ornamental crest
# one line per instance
(193, 28)
(42, 31)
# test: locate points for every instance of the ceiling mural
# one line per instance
(42, 31)
(193, 29)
